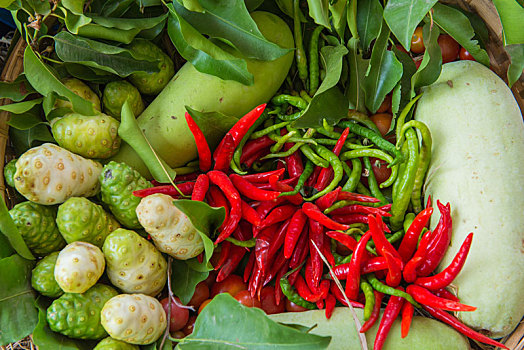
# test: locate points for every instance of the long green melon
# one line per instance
(424, 333)
(478, 144)
(163, 120)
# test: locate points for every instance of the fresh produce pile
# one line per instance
(260, 175)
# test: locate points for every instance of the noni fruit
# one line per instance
(115, 95)
(78, 267)
(171, 230)
(134, 318)
(9, 173)
(37, 226)
(134, 264)
(77, 315)
(81, 89)
(93, 136)
(49, 174)
(117, 183)
(113, 344)
(151, 83)
(43, 277)
(79, 219)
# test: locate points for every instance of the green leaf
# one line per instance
(25, 139)
(184, 280)
(90, 74)
(16, 90)
(75, 6)
(456, 24)
(352, 18)
(115, 8)
(41, 77)
(9, 229)
(511, 15)
(384, 72)
(369, 20)
(403, 16)
(113, 59)
(129, 23)
(516, 53)
(131, 133)
(168, 345)
(5, 248)
(431, 65)
(357, 70)
(319, 11)
(26, 120)
(192, 5)
(18, 316)
(226, 324)
(328, 102)
(286, 6)
(252, 5)
(408, 69)
(74, 21)
(205, 56)
(230, 20)
(21, 107)
(214, 125)
(339, 17)
(96, 31)
(5, 3)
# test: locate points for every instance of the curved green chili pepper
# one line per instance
(296, 101)
(314, 69)
(338, 171)
(291, 117)
(287, 153)
(372, 182)
(315, 158)
(376, 153)
(402, 117)
(370, 299)
(305, 96)
(268, 130)
(362, 189)
(353, 175)
(362, 119)
(300, 53)
(280, 143)
(294, 139)
(408, 220)
(379, 287)
(291, 294)
(185, 170)
(329, 133)
(250, 243)
(308, 170)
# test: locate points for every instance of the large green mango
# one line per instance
(163, 120)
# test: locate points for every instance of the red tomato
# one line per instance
(449, 47)
(292, 307)
(269, 305)
(232, 285)
(179, 316)
(380, 169)
(210, 280)
(203, 305)
(417, 42)
(382, 121)
(464, 55)
(244, 297)
(386, 104)
(201, 293)
(190, 325)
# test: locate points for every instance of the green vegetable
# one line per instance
(478, 135)
(9, 172)
(163, 120)
(78, 315)
(116, 93)
(43, 277)
(36, 224)
(113, 344)
(81, 89)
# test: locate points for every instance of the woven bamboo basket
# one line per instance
(499, 61)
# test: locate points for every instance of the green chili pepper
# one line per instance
(294, 139)
(347, 145)
(305, 96)
(402, 117)
(300, 53)
(362, 189)
(280, 143)
(185, 170)
(291, 294)
(329, 133)
(376, 153)
(313, 60)
(268, 130)
(315, 158)
(408, 220)
(338, 171)
(248, 244)
(353, 175)
(380, 287)
(363, 119)
(296, 101)
(370, 299)
(372, 182)
(287, 153)
(308, 170)
(291, 117)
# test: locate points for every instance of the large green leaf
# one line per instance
(75, 6)
(408, 69)
(90, 74)
(17, 90)
(18, 315)
(203, 53)
(384, 72)
(431, 65)
(369, 21)
(25, 139)
(511, 15)
(214, 125)
(43, 80)
(184, 280)
(129, 23)
(352, 18)
(319, 11)
(357, 70)
(456, 24)
(230, 20)
(226, 324)
(5, 247)
(516, 53)
(97, 31)
(26, 120)
(339, 17)
(21, 107)
(115, 8)
(403, 16)
(74, 21)
(91, 53)
(9, 229)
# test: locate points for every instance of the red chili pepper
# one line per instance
(326, 174)
(446, 294)
(316, 237)
(304, 291)
(328, 199)
(250, 214)
(224, 252)
(255, 282)
(374, 264)
(379, 238)
(340, 297)
(390, 315)
(343, 238)
(314, 213)
(350, 196)
(255, 157)
(180, 178)
(278, 214)
(424, 296)
(262, 245)
(394, 276)
(462, 328)
(410, 269)
(407, 316)
(341, 271)
(437, 248)
(313, 177)
(263, 177)
(444, 278)
(362, 209)
(234, 257)
(249, 266)
(278, 240)
(295, 228)
(409, 242)
(242, 126)
(277, 264)
(286, 182)
(282, 187)
(249, 190)
(253, 147)
(301, 249)
(224, 153)
(374, 314)
(266, 206)
(355, 219)
(331, 301)
(429, 203)
(200, 189)
(217, 199)
(222, 181)
(326, 250)
(204, 153)
(353, 276)
(186, 188)
(294, 164)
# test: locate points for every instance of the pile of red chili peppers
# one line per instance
(287, 234)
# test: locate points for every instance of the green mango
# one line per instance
(113, 344)
(116, 93)
(78, 315)
(36, 224)
(43, 277)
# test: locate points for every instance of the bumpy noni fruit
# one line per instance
(9, 173)
(171, 230)
(43, 277)
(115, 95)
(134, 318)
(36, 224)
(151, 83)
(78, 315)
(117, 183)
(134, 264)
(78, 267)
(114, 344)
(79, 219)
(89, 136)
(49, 174)
(82, 90)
